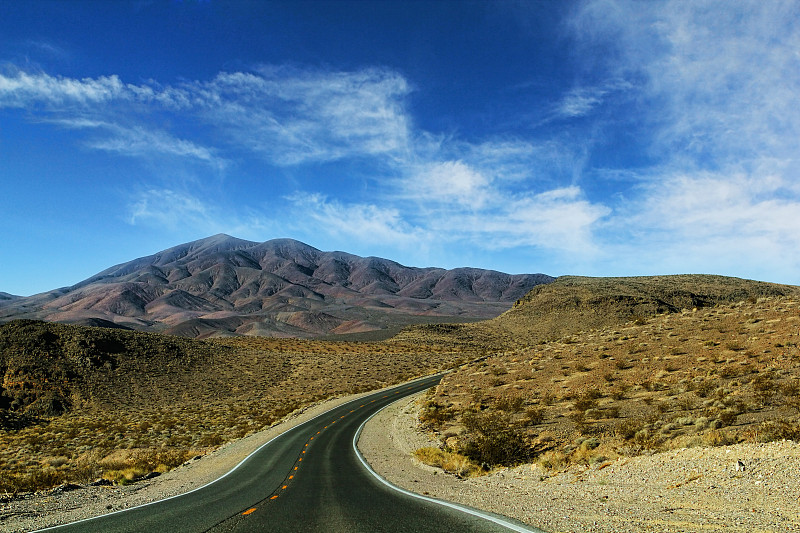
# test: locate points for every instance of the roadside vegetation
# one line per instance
(698, 377)
(81, 405)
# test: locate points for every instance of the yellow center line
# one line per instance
(273, 497)
(247, 512)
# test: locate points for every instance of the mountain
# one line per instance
(5, 297)
(222, 286)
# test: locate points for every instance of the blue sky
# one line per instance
(596, 137)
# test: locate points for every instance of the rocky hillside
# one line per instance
(573, 304)
(223, 286)
(584, 370)
(77, 402)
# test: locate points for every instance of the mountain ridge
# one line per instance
(222, 285)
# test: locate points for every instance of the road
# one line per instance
(308, 479)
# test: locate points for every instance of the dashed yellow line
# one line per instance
(247, 512)
(300, 459)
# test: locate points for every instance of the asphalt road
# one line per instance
(308, 479)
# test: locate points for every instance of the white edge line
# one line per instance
(474, 512)
(240, 462)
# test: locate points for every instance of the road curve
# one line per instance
(310, 478)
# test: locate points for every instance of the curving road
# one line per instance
(310, 478)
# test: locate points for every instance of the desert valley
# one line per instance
(154, 362)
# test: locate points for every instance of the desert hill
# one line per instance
(223, 286)
(78, 402)
(573, 304)
(587, 369)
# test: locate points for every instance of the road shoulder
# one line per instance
(687, 489)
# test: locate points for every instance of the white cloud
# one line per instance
(716, 85)
(286, 116)
(580, 102)
(715, 208)
(559, 220)
(25, 89)
(170, 209)
(182, 212)
(138, 141)
(290, 116)
(719, 78)
(448, 182)
(366, 223)
(492, 194)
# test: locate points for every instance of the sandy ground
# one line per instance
(695, 489)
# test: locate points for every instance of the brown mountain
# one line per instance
(226, 286)
(5, 297)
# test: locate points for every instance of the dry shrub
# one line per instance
(534, 415)
(493, 439)
(772, 430)
(553, 460)
(127, 465)
(453, 463)
(511, 404)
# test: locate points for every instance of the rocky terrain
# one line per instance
(741, 487)
(223, 286)
(714, 372)
(585, 392)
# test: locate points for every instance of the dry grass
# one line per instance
(451, 462)
(700, 377)
(162, 400)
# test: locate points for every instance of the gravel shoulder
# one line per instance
(692, 489)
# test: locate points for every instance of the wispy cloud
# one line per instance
(716, 84)
(291, 116)
(170, 209)
(138, 141)
(23, 89)
(287, 116)
(176, 210)
(504, 191)
(580, 102)
(366, 223)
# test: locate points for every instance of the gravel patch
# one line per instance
(692, 489)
